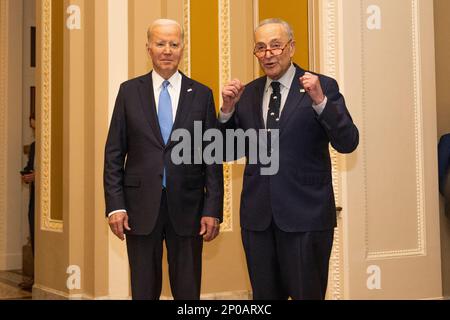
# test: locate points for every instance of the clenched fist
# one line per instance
(231, 94)
(311, 84)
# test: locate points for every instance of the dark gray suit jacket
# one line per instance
(135, 156)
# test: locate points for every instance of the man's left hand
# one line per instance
(28, 178)
(311, 84)
(209, 228)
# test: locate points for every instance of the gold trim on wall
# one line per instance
(330, 67)
(3, 105)
(225, 76)
(313, 46)
(187, 37)
(256, 67)
(47, 223)
(224, 57)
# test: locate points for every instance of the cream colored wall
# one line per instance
(83, 240)
(442, 38)
(100, 129)
(11, 136)
(368, 228)
(118, 56)
(388, 186)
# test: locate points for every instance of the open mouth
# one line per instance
(269, 65)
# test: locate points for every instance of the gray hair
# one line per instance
(165, 22)
(286, 26)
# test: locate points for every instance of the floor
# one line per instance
(9, 286)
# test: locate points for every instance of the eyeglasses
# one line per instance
(260, 52)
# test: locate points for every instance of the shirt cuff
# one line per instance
(116, 211)
(321, 106)
(224, 117)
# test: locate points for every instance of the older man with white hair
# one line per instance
(149, 197)
(287, 219)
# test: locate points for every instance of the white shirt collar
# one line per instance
(174, 80)
(285, 80)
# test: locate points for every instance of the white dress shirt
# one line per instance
(174, 92)
(285, 85)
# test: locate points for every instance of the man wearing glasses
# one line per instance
(287, 219)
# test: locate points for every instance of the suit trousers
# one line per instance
(288, 264)
(184, 255)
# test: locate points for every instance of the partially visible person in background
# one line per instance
(444, 170)
(28, 177)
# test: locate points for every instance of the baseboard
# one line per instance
(436, 298)
(228, 295)
(43, 293)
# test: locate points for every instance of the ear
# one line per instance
(292, 48)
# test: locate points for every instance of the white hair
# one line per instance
(286, 26)
(164, 22)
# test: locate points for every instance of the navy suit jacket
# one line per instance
(135, 157)
(444, 160)
(300, 196)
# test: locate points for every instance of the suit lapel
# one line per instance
(258, 103)
(187, 94)
(293, 100)
(148, 106)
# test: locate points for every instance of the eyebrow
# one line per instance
(270, 42)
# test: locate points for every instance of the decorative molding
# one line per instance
(420, 180)
(227, 224)
(419, 131)
(44, 293)
(225, 76)
(330, 67)
(187, 37)
(363, 136)
(47, 223)
(256, 66)
(312, 35)
(227, 295)
(3, 109)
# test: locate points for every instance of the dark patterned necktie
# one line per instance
(273, 114)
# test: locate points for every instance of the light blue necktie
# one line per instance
(165, 117)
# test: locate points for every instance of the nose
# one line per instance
(269, 53)
(167, 49)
